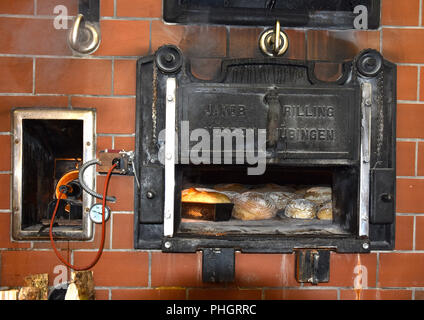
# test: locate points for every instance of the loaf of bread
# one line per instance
(271, 187)
(230, 194)
(194, 195)
(253, 206)
(300, 209)
(235, 187)
(325, 212)
(281, 198)
(319, 195)
(301, 190)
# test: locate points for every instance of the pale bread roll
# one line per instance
(326, 211)
(319, 195)
(300, 209)
(281, 198)
(253, 206)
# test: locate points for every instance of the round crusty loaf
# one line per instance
(319, 195)
(326, 211)
(281, 198)
(253, 206)
(194, 195)
(300, 209)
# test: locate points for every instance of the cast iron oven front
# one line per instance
(339, 14)
(258, 93)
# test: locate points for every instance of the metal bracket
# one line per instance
(313, 266)
(364, 197)
(168, 227)
(218, 265)
(90, 9)
(274, 116)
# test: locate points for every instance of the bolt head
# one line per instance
(169, 58)
(366, 246)
(167, 244)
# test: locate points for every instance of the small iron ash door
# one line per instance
(265, 131)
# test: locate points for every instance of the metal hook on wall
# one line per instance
(274, 42)
(84, 37)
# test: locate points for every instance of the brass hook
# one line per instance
(274, 42)
(86, 39)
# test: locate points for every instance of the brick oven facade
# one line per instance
(38, 69)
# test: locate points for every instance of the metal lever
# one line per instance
(274, 42)
(84, 37)
(273, 119)
(312, 266)
(364, 185)
(218, 265)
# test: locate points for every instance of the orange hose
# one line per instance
(100, 251)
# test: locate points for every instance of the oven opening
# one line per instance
(52, 154)
(286, 201)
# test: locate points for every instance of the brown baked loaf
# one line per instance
(319, 195)
(194, 195)
(300, 209)
(235, 187)
(253, 206)
(271, 187)
(325, 212)
(301, 190)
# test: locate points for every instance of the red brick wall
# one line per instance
(38, 69)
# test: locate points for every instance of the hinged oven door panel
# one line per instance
(315, 123)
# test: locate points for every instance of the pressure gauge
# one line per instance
(96, 213)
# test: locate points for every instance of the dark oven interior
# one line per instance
(51, 149)
(342, 181)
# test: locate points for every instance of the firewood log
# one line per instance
(81, 286)
(9, 294)
(40, 281)
(29, 293)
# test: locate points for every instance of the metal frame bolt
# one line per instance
(167, 244)
(366, 245)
